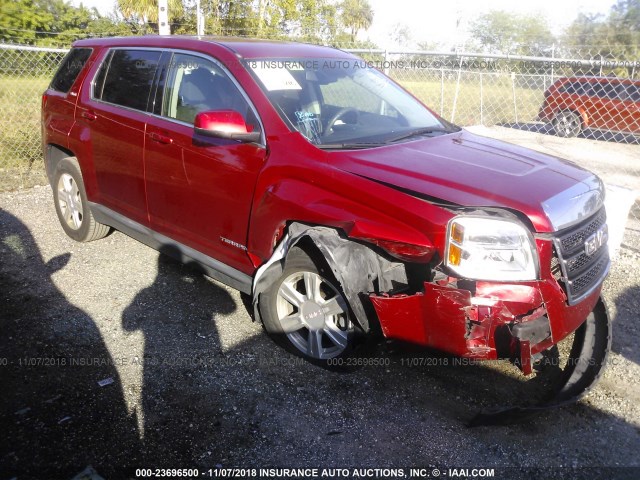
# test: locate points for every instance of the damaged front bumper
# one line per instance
(487, 322)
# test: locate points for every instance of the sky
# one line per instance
(436, 21)
(431, 21)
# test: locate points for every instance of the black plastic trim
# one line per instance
(212, 267)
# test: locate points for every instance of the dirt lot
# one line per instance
(197, 384)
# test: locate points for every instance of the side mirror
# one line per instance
(227, 124)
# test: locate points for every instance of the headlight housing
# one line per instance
(492, 249)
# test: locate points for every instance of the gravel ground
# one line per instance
(197, 384)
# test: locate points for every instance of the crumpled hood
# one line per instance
(471, 170)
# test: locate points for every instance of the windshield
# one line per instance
(338, 103)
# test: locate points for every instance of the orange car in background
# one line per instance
(572, 104)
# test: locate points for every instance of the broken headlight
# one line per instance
(493, 249)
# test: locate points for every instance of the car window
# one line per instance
(156, 96)
(71, 67)
(612, 90)
(125, 78)
(586, 88)
(345, 92)
(577, 87)
(628, 92)
(335, 103)
(195, 84)
(605, 90)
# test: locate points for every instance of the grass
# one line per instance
(470, 103)
(20, 150)
(466, 102)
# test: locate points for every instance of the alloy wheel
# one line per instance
(314, 315)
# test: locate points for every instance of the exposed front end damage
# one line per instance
(357, 268)
(515, 321)
(480, 320)
(496, 321)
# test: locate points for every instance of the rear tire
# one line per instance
(567, 124)
(71, 203)
(306, 312)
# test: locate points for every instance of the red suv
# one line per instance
(340, 203)
(572, 104)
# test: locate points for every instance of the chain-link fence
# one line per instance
(589, 98)
(25, 73)
(592, 98)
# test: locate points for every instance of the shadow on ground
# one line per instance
(175, 315)
(205, 404)
(56, 419)
(625, 324)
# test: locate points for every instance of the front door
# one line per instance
(199, 189)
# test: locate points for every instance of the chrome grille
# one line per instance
(576, 263)
(581, 272)
(575, 239)
(590, 277)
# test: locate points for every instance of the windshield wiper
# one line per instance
(348, 146)
(413, 133)
(420, 131)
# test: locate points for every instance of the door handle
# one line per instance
(89, 115)
(160, 138)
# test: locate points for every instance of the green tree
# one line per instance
(356, 15)
(145, 12)
(22, 20)
(612, 37)
(585, 30)
(58, 22)
(624, 22)
(54, 22)
(504, 32)
(309, 20)
(316, 20)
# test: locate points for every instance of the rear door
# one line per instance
(602, 109)
(59, 100)
(115, 115)
(199, 188)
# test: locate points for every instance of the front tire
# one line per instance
(306, 312)
(71, 203)
(567, 124)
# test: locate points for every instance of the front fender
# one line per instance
(387, 216)
(356, 267)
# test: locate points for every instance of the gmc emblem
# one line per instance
(597, 240)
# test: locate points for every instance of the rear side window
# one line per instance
(71, 67)
(577, 88)
(567, 88)
(605, 90)
(125, 78)
(628, 92)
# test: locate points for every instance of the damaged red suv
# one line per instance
(299, 175)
